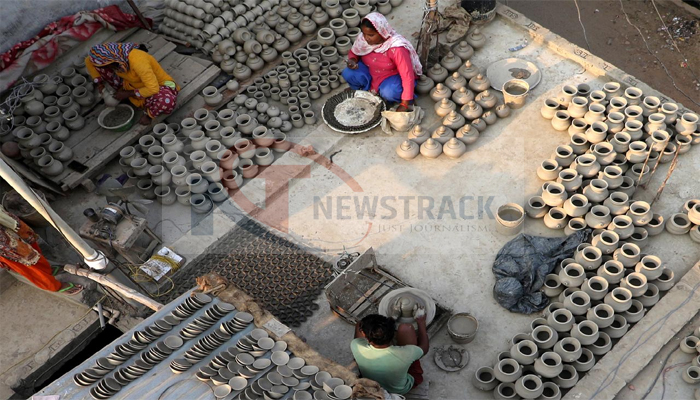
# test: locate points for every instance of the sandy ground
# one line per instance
(613, 39)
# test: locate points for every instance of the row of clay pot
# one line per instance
(590, 310)
(184, 162)
(49, 109)
(461, 126)
(691, 345)
(687, 221)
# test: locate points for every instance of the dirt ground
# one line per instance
(613, 39)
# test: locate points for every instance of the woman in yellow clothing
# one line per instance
(135, 75)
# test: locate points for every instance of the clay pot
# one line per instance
(407, 150)
(456, 82)
(463, 50)
(549, 365)
(656, 225)
(602, 315)
(589, 257)
(507, 370)
(599, 217)
(549, 108)
(650, 297)
(536, 207)
(606, 241)
(586, 165)
(635, 313)
(586, 332)
(476, 39)
(479, 83)
(554, 195)
(691, 375)
(622, 225)
(570, 179)
(544, 337)
(201, 204)
(418, 135)
(628, 254)
(452, 63)
(618, 328)
(454, 148)
(568, 349)
(471, 111)
(687, 123)
(431, 148)
(468, 70)
(505, 391)
(636, 283)
(524, 352)
(556, 218)
(453, 120)
(484, 379)
(529, 387)
(578, 302)
(620, 299)
(572, 275)
(351, 17)
(50, 166)
(597, 192)
(575, 225)
(467, 134)
(424, 84)
(439, 92)
(551, 287)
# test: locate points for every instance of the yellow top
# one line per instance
(145, 75)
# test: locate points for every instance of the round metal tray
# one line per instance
(502, 71)
(353, 111)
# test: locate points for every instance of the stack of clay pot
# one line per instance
(49, 108)
(243, 36)
(687, 221)
(463, 99)
(691, 345)
(617, 138)
(596, 297)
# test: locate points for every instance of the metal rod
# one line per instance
(143, 19)
(656, 165)
(92, 258)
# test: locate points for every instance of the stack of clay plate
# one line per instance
(206, 321)
(105, 389)
(206, 345)
(132, 372)
(234, 326)
(190, 306)
(89, 376)
(180, 365)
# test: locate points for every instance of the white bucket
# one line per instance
(510, 219)
(462, 327)
(515, 92)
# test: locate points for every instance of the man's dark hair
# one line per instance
(378, 329)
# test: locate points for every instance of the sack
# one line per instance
(393, 121)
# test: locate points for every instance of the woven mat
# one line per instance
(278, 274)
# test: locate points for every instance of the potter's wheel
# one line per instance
(407, 295)
(352, 112)
(502, 71)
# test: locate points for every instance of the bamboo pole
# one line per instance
(123, 290)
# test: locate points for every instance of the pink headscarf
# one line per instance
(393, 39)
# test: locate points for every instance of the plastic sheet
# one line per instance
(522, 264)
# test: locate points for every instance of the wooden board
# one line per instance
(93, 146)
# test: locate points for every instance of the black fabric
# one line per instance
(522, 264)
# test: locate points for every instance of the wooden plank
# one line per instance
(126, 138)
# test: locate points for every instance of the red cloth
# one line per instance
(58, 37)
(416, 371)
(396, 60)
(40, 274)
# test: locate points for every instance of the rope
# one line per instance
(13, 100)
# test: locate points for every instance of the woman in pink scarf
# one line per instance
(384, 62)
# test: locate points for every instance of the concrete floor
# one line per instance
(29, 321)
(448, 252)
